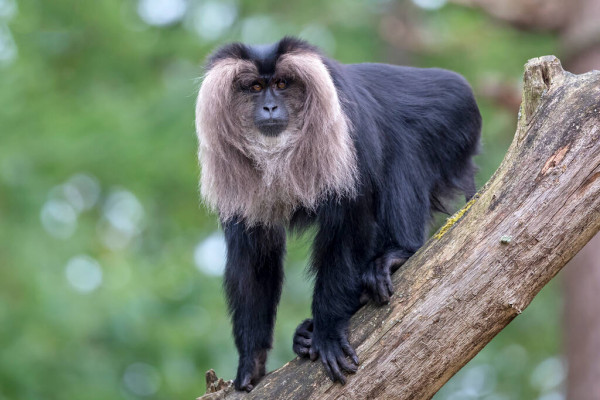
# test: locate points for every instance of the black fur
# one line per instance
(415, 131)
(253, 279)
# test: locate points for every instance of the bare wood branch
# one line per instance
(479, 272)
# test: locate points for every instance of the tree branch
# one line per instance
(482, 269)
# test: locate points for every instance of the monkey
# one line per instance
(366, 153)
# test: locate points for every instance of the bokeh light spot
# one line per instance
(212, 19)
(430, 4)
(479, 380)
(83, 273)
(548, 374)
(161, 12)
(552, 396)
(8, 9)
(8, 48)
(87, 188)
(210, 255)
(59, 218)
(319, 36)
(260, 29)
(122, 219)
(141, 379)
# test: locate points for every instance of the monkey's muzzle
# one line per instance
(272, 127)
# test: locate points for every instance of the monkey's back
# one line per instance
(437, 103)
(426, 116)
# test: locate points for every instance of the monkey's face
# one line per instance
(270, 111)
(274, 101)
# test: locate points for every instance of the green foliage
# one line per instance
(100, 294)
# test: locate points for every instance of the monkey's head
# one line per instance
(272, 132)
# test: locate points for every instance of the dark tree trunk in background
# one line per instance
(581, 45)
(581, 36)
(582, 322)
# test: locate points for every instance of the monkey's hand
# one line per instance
(250, 370)
(377, 280)
(331, 349)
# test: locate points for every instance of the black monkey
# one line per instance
(290, 138)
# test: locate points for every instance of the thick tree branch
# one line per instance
(479, 272)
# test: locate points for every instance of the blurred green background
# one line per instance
(110, 267)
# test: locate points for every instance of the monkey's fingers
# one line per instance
(302, 346)
(345, 365)
(331, 362)
(349, 351)
(302, 341)
(303, 334)
(301, 350)
(377, 280)
(328, 369)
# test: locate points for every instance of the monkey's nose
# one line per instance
(270, 109)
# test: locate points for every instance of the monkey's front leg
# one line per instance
(336, 296)
(253, 279)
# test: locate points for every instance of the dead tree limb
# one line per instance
(486, 265)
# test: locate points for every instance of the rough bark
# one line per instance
(481, 270)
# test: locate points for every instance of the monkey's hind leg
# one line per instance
(377, 279)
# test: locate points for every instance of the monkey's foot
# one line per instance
(250, 371)
(332, 352)
(303, 338)
(377, 280)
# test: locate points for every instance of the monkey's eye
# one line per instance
(256, 87)
(281, 84)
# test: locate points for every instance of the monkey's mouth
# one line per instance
(272, 127)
